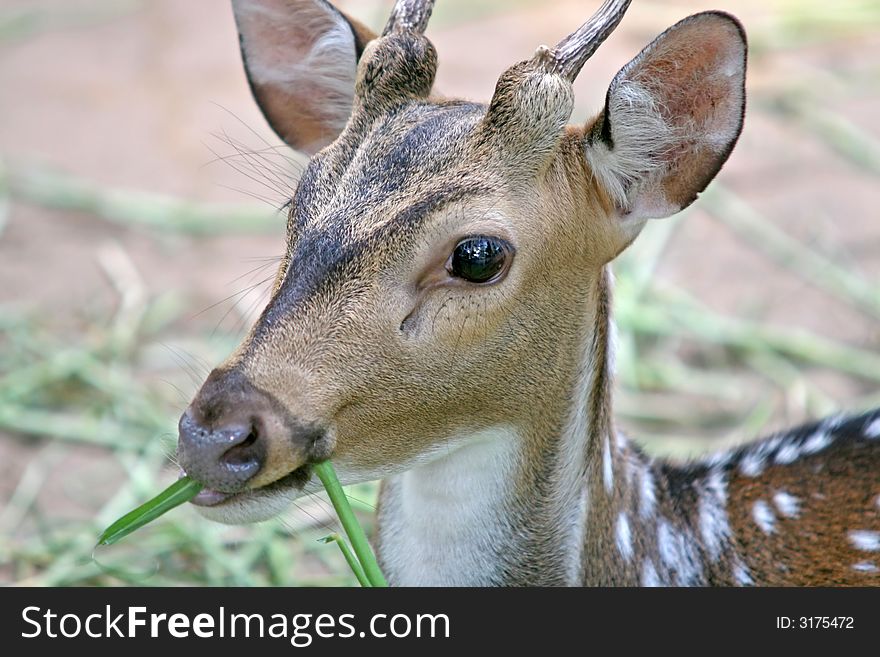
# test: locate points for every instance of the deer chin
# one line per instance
(256, 504)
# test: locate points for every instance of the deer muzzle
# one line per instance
(235, 437)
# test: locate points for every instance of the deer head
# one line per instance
(445, 259)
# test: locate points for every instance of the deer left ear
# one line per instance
(301, 61)
(672, 116)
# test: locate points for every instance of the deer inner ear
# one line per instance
(301, 61)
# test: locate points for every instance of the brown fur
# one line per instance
(838, 492)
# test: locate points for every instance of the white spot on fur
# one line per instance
(607, 467)
(620, 442)
(752, 464)
(873, 429)
(718, 459)
(648, 494)
(817, 442)
(788, 505)
(754, 460)
(666, 543)
(866, 567)
(741, 574)
(714, 527)
(613, 335)
(864, 539)
(678, 554)
(649, 574)
(623, 537)
(767, 446)
(631, 467)
(788, 453)
(764, 517)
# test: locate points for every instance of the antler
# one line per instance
(409, 16)
(569, 56)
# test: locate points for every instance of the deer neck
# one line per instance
(563, 501)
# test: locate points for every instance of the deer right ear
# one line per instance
(301, 59)
(672, 116)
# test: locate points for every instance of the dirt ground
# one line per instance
(137, 95)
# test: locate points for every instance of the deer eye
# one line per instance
(479, 259)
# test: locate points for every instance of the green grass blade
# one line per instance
(350, 559)
(182, 490)
(352, 527)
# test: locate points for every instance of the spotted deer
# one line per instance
(442, 321)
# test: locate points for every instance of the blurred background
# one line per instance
(138, 229)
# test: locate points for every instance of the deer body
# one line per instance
(718, 521)
(766, 513)
(442, 321)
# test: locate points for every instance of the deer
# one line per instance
(442, 321)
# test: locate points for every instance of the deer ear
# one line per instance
(672, 116)
(301, 58)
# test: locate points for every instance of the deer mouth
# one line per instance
(296, 480)
(210, 497)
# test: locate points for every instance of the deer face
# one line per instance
(441, 255)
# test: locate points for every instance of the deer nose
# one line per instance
(235, 436)
(226, 434)
(222, 456)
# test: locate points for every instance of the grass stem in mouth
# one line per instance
(182, 490)
(327, 474)
(363, 562)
